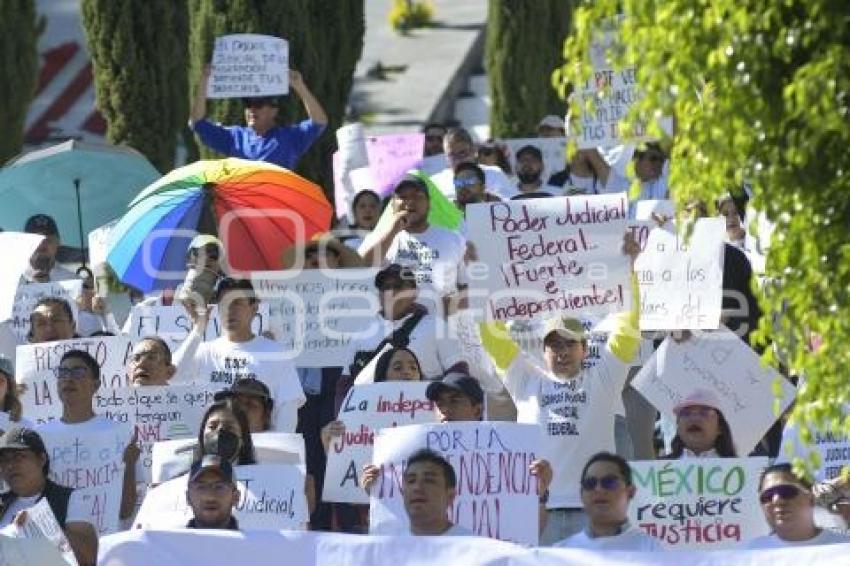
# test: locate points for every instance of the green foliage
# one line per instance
(410, 14)
(139, 55)
(19, 31)
(325, 41)
(523, 46)
(759, 90)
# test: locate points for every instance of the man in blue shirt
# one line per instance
(261, 140)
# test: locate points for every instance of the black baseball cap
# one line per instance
(22, 438)
(456, 381)
(41, 224)
(532, 149)
(211, 463)
(394, 271)
(412, 181)
(247, 386)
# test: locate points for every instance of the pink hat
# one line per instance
(702, 397)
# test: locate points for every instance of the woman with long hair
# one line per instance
(701, 429)
(225, 432)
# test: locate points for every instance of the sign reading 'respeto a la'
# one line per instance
(35, 369)
(703, 503)
(496, 492)
(364, 410)
(550, 256)
(247, 65)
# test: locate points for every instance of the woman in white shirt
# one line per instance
(701, 429)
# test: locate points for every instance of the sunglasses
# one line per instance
(703, 412)
(608, 483)
(461, 182)
(784, 491)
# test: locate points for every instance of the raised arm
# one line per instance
(199, 106)
(311, 105)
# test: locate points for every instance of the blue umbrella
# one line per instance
(81, 185)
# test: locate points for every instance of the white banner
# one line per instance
(35, 371)
(496, 493)
(248, 64)
(365, 410)
(17, 250)
(172, 323)
(723, 364)
(91, 462)
(703, 503)
(829, 447)
(214, 548)
(681, 284)
(317, 311)
(28, 294)
(550, 256)
(41, 523)
(271, 496)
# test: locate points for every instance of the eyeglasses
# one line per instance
(695, 411)
(215, 488)
(71, 373)
(608, 483)
(462, 182)
(784, 491)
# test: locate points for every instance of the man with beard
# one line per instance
(42, 267)
(469, 186)
(212, 494)
(529, 172)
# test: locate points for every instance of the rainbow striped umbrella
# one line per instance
(257, 210)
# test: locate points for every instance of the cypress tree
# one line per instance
(524, 39)
(139, 53)
(19, 31)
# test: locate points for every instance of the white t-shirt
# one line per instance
(773, 541)
(76, 509)
(435, 256)
(631, 538)
(435, 354)
(576, 416)
(495, 181)
(456, 531)
(97, 423)
(222, 361)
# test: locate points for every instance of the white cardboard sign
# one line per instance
(249, 65)
(28, 294)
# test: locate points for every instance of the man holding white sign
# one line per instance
(261, 139)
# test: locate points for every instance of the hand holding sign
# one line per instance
(249, 65)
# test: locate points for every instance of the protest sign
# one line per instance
(681, 283)
(17, 251)
(554, 152)
(28, 294)
(99, 243)
(156, 413)
(724, 365)
(496, 493)
(271, 496)
(351, 140)
(550, 256)
(41, 523)
(607, 97)
(90, 460)
(390, 157)
(249, 65)
(365, 410)
(828, 449)
(645, 209)
(35, 370)
(705, 503)
(465, 331)
(172, 323)
(317, 312)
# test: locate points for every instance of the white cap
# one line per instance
(202, 240)
(702, 397)
(552, 121)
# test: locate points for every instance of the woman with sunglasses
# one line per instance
(606, 490)
(701, 429)
(789, 508)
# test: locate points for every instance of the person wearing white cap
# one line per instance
(574, 407)
(551, 126)
(701, 429)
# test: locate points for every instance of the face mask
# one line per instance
(221, 443)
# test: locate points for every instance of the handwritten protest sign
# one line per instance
(681, 284)
(828, 449)
(41, 523)
(351, 140)
(366, 409)
(156, 413)
(550, 256)
(607, 97)
(724, 365)
(271, 496)
(29, 294)
(17, 250)
(35, 370)
(91, 460)
(704, 503)
(554, 152)
(99, 243)
(496, 493)
(247, 64)
(391, 156)
(172, 323)
(317, 312)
